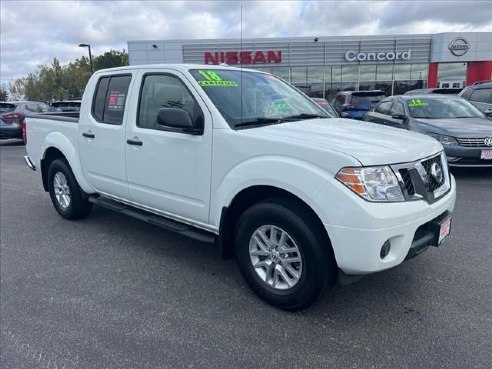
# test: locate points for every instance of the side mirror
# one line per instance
(177, 118)
(401, 117)
(344, 115)
(488, 112)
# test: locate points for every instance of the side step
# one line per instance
(159, 221)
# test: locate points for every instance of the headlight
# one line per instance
(372, 183)
(445, 140)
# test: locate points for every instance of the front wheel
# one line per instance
(66, 195)
(283, 254)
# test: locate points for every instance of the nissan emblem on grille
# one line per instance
(436, 172)
(487, 141)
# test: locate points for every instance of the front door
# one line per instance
(169, 170)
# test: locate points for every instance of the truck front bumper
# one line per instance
(406, 226)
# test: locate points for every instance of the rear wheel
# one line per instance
(283, 254)
(66, 195)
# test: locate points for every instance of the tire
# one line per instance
(301, 255)
(66, 194)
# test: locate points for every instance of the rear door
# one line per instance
(102, 134)
(169, 170)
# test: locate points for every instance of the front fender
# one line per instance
(59, 141)
(300, 178)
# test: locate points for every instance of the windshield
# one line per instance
(442, 108)
(251, 98)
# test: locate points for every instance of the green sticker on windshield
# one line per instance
(280, 106)
(213, 79)
(218, 83)
(414, 103)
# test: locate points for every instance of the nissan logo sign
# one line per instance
(458, 46)
(362, 56)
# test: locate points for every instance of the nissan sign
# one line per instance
(243, 57)
(362, 56)
(458, 46)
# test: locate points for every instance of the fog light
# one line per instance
(385, 249)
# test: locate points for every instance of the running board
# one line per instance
(159, 221)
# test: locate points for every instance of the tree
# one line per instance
(111, 59)
(63, 82)
(17, 89)
(4, 94)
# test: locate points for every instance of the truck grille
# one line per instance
(472, 142)
(426, 179)
(432, 182)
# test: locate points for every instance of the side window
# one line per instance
(384, 107)
(33, 107)
(483, 95)
(467, 93)
(339, 101)
(164, 91)
(397, 108)
(110, 99)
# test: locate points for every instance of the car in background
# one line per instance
(424, 91)
(354, 104)
(65, 105)
(460, 127)
(12, 114)
(326, 106)
(480, 95)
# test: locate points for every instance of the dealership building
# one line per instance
(322, 66)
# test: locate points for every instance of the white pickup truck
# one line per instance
(243, 159)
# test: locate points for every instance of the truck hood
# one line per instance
(370, 144)
(459, 127)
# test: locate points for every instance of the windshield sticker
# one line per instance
(280, 106)
(213, 79)
(414, 103)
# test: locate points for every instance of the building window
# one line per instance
(451, 72)
(384, 72)
(350, 73)
(367, 73)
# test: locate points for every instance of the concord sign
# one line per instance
(362, 56)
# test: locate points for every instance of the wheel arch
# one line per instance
(248, 197)
(50, 155)
(59, 146)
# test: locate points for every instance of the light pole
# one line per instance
(90, 55)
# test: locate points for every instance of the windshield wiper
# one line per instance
(259, 122)
(302, 116)
(267, 121)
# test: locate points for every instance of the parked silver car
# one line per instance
(12, 113)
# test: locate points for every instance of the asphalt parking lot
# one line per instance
(113, 292)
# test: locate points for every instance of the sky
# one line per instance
(35, 32)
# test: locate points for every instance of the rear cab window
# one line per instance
(109, 100)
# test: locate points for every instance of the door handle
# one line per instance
(134, 142)
(88, 135)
